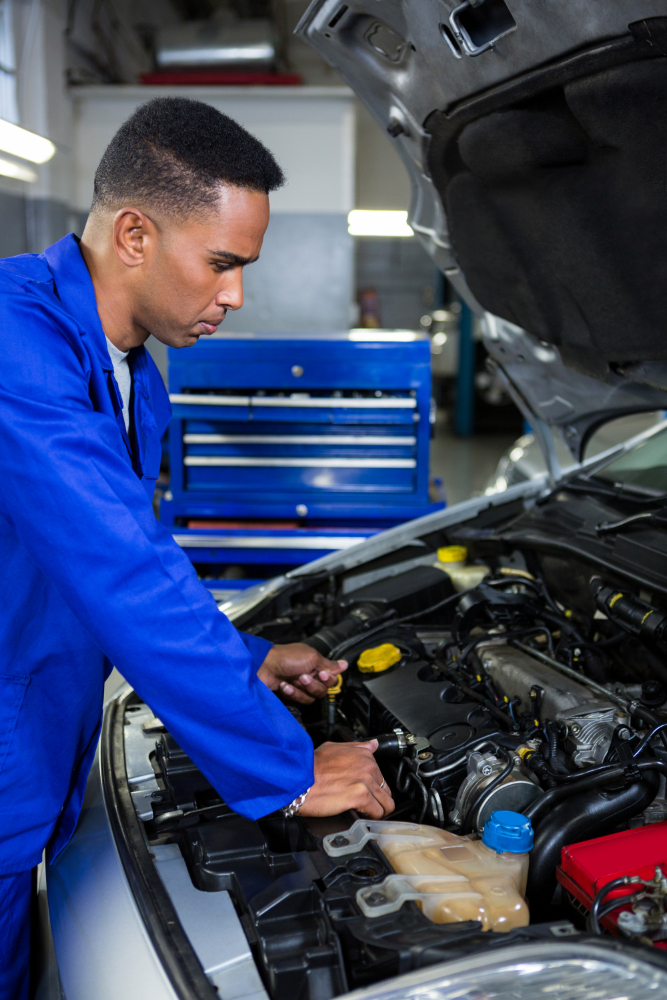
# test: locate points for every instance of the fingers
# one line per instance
(372, 800)
(330, 670)
(378, 788)
(303, 689)
(295, 694)
(314, 687)
(368, 805)
(371, 745)
(347, 777)
(384, 798)
(318, 684)
(325, 676)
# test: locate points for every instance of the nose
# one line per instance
(230, 295)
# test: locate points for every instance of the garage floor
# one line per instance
(465, 465)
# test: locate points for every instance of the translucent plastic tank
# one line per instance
(451, 878)
(452, 559)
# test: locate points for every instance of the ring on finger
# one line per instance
(383, 783)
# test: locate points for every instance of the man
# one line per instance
(90, 578)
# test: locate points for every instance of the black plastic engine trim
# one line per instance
(171, 944)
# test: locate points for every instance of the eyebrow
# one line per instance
(233, 258)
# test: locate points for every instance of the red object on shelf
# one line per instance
(225, 78)
(588, 866)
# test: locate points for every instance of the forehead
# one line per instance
(234, 223)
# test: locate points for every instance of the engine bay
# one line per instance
(506, 679)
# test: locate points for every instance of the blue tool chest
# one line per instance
(314, 429)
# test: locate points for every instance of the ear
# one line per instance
(132, 233)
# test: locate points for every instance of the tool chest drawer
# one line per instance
(278, 424)
(303, 456)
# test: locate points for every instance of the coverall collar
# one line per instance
(76, 291)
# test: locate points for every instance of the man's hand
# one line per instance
(299, 672)
(347, 777)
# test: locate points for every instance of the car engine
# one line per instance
(536, 690)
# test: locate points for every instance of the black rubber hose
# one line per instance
(552, 730)
(570, 777)
(601, 776)
(433, 607)
(562, 623)
(580, 817)
(592, 923)
(390, 745)
(354, 623)
(616, 904)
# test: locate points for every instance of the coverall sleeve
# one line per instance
(73, 499)
(257, 647)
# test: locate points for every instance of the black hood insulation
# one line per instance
(557, 208)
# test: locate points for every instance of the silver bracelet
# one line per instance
(293, 808)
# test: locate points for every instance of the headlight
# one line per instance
(558, 971)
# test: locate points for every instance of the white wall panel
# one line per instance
(310, 130)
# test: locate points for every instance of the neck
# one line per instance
(112, 292)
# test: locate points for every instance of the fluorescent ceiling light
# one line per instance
(27, 145)
(9, 169)
(362, 222)
(226, 55)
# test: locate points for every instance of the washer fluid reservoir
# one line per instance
(452, 559)
(451, 878)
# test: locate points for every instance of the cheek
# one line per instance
(192, 275)
(183, 287)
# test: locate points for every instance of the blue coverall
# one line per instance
(90, 578)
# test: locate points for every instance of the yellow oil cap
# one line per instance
(452, 553)
(335, 689)
(374, 661)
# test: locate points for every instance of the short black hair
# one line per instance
(172, 154)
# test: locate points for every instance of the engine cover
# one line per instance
(417, 700)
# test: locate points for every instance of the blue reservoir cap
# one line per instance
(508, 831)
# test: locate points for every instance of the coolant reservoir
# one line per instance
(451, 878)
(452, 559)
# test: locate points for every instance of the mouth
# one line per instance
(209, 328)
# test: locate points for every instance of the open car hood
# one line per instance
(535, 137)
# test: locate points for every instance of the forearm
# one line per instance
(94, 536)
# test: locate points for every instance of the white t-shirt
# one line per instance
(121, 370)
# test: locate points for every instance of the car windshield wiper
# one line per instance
(608, 491)
(611, 492)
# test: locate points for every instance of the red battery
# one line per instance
(588, 866)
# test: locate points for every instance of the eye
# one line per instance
(221, 267)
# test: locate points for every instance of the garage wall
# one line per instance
(381, 179)
(304, 279)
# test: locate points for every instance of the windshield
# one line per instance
(644, 466)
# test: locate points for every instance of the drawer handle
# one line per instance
(195, 399)
(317, 402)
(300, 463)
(323, 402)
(336, 439)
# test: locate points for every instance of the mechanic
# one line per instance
(90, 577)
